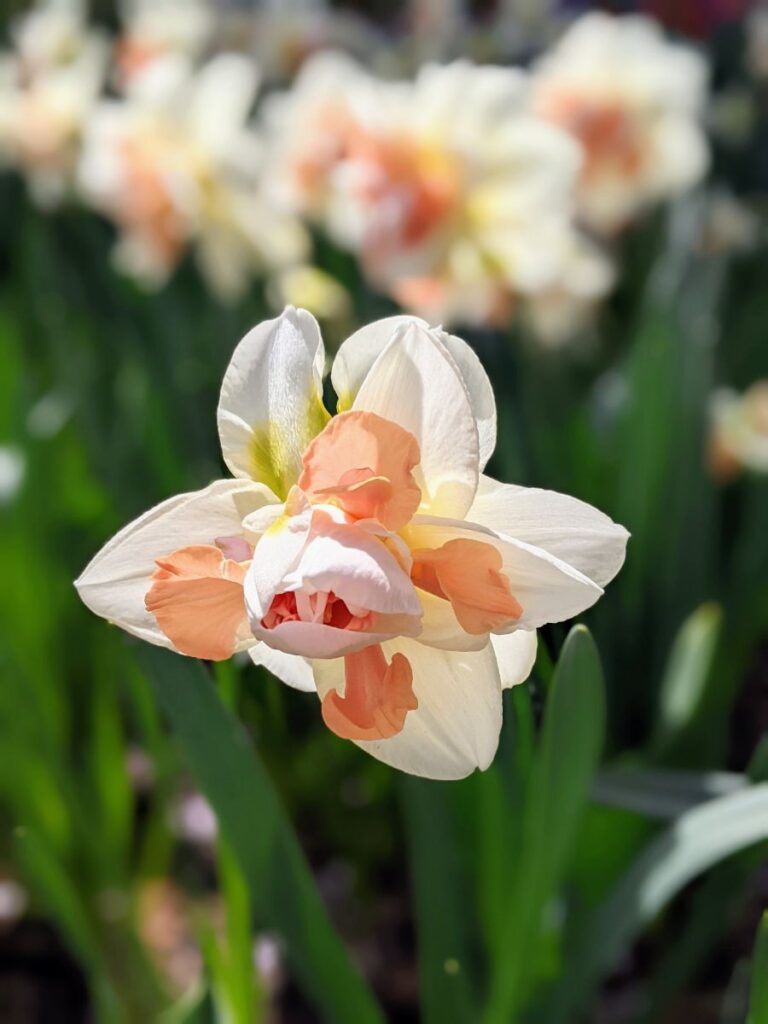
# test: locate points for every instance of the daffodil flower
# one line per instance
(154, 29)
(49, 85)
(363, 556)
(634, 102)
(739, 431)
(175, 165)
(456, 197)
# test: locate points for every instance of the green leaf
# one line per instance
(645, 427)
(757, 769)
(107, 757)
(252, 820)
(695, 842)
(758, 994)
(685, 677)
(194, 1007)
(497, 799)
(557, 793)
(441, 903)
(239, 980)
(52, 882)
(660, 794)
(54, 886)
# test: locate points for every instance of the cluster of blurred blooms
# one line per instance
(469, 193)
(466, 191)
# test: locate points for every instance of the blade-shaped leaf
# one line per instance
(660, 794)
(251, 818)
(685, 677)
(758, 994)
(440, 903)
(695, 842)
(562, 772)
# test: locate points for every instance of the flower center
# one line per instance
(605, 129)
(323, 607)
(408, 187)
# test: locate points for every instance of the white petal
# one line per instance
(317, 641)
(455, 728)
(221, 99)
(271, 403)
(358, 353)
(548, 589)
(358, 568)
(440, 628)
(259, 521)
(480, 392)
(116, 581)
(350, 562)
(681, 152)
(290, 669)
(569, 529)
(516, 655)
(276, 554)
(416, 383)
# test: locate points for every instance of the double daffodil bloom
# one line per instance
(365, 555)
(457, 199)
(49, 85)
(634, 103)
(175, 165)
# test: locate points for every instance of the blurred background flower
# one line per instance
(456, 199)
(49, 86)
(633, 101)
(740, 430)
(174, 164)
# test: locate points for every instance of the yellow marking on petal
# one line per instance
(275, 457)
(344, 404)
(266, 459)
(278, 526)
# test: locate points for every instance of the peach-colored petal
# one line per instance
(147, 206)
(133, 55)
(611, 137)
(364, 463)
(197, 598)
(468, 574)
(377, 696)
(361, 494)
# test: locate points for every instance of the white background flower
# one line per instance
(634, 101)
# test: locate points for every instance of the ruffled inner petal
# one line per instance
(468, 574)
(377, 696)
(365, 464)
(197, 599)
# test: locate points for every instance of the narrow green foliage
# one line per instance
(685, 677)
(253, 823)
(695, 842)
(663, 795)
(758, 995)
(441, 901)
(556, 793)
